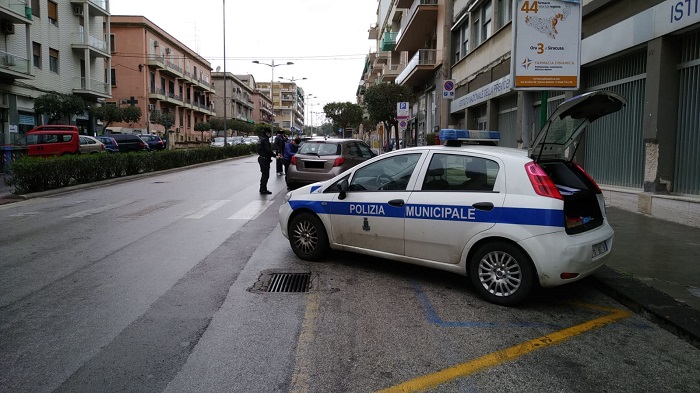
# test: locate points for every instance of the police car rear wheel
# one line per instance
(308, 237)
(502, 273)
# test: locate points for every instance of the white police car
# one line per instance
(507, 218)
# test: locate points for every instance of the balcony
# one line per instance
(420, 68)
(91, 88)
(157, 94)
(391, 71)
(388, 41)
(157, 61)
(404, 3)
(172, 68)
(15, 11)
(98, 47)
(14, 66)
(420, 22)
(97, 7)
(373, 32)
(175, 99)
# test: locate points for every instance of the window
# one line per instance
(111, 43)
(464, 49)
(53, 60)
(448, 172)
(53, 12)
(505, 12)
(487, 14)
(113, 77)
(35, 8)
(388, 174)
(36, 54)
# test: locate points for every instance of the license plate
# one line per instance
(599, 248)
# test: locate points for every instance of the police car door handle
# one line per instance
(397, 202)
(487, 206)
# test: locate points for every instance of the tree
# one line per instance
(59, 106)
(109, 114)
(344, 114)
(381, 102)
(165, 119)
(202, 127)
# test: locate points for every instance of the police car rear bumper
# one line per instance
(556, 253)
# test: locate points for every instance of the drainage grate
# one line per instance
(289, 282)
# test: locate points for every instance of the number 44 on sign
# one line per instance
(448, 89)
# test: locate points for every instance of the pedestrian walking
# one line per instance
(279, 150)
(290, 149)
(265, 155)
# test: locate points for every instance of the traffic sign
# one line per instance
(403, 124)
(448, 89)
(402, 110)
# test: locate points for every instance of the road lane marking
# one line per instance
(301, 377)
(252, 210)
(496, 358)
(100, 209)
(207, 208)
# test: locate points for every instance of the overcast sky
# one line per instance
(326, 39)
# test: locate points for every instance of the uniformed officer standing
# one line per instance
(265, 155)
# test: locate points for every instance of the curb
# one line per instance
(656, 306)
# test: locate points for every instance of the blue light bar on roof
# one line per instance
(450, 134)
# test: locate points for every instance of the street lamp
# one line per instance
(293, 108)
(225, 128)
(307, 107)
(272, 67)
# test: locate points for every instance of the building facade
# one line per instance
(644, 157)
(240, 96)
(51, 47)
(289, 104)
(262, 105)
(155, 71)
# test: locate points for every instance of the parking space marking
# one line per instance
(301, 376)
(494, 359)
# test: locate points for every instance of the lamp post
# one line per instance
(272, 80)
(291, 110)
(307, 106)
(225, 129)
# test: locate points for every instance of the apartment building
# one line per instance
(158, 73)
(262, 105)
(51, 47)
(644, 157)
(289, 105)
(240, 96)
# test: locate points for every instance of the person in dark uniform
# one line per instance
(279, 149)
(265, 155)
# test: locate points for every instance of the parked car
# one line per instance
(507, 218)
(128, 143)
(111, 145)
(219, 142)
(52, 140)
(90, 145)
(322, 159)
(154, 142)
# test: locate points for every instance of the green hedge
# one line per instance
(31, 174)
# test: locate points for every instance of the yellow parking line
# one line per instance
(496, 358)
(300, 377)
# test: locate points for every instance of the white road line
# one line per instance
(100, 209)
(207, 208)
(252, 210)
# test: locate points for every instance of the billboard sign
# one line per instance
(546, 45)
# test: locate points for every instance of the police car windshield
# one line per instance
(320, 148)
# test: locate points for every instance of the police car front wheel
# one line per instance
(502, 273)
(308, 237)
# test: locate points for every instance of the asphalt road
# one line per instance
(155, 285)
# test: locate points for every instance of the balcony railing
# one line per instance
(17, 7)
(14, 62)
(100, 3)
(93, 42)
(388, 41)
(158, 90)
(412, 11)
(81, 83)
(424, 57)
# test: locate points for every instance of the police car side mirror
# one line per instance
(343, 188)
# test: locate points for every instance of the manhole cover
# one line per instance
(289, 282)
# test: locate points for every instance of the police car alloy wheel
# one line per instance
(308, 237)
(501, 273)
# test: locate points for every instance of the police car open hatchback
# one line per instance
(507, 218)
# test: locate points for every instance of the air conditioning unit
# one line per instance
(151, 107)
(156, 44)
(8, 27)
(167, 51)
(77, 11)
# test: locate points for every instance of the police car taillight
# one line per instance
(338, 161)
(598, 190)
(541, 183)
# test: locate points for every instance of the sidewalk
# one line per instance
(654, 269)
